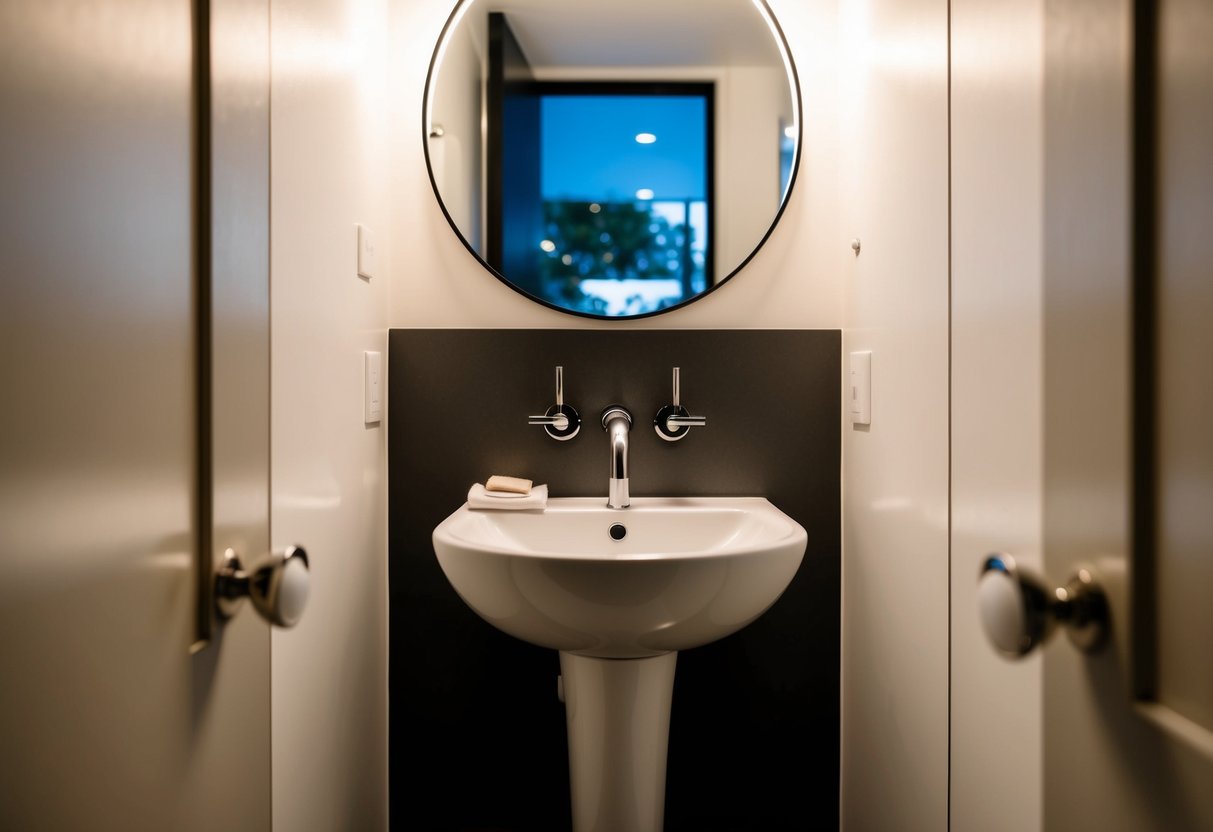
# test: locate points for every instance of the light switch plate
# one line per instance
(366, 252)
(372, 387)
(859, 388)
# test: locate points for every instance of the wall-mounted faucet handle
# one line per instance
(673, 422)
(561, 421)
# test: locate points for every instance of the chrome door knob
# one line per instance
(1019, 612)
(279, 588)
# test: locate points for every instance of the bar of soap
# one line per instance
(510, 485)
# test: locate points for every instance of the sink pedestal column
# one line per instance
(618, 713)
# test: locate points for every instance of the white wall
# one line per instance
(907, 561)
(997, 386)
(330, 147)
(794, 281)
(894, 196)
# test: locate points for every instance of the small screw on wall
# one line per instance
(855, 246)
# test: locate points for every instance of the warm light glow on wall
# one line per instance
(460, 11)
(777, 35)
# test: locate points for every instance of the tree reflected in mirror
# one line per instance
(620, 258)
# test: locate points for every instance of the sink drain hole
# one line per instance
(618, 531)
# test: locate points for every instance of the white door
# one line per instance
(1128, 473)
(126, 463)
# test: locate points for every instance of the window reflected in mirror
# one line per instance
(621, 225)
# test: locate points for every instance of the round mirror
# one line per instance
(612, 159)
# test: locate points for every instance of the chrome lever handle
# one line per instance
(673, 422)
(278, 588)
(561, 421)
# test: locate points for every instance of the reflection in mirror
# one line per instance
(624, 223)
(615, 159)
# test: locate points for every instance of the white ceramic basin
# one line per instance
(689, 571)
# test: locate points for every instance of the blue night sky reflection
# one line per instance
(590, 152)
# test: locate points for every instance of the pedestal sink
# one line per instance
(618, 593)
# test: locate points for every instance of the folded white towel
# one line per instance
(478, 498)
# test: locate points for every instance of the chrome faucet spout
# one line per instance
(617, 423)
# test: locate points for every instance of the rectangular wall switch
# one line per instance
(859, 388)
(372, 407)
(366, 253)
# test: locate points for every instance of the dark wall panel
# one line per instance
(477, 733)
